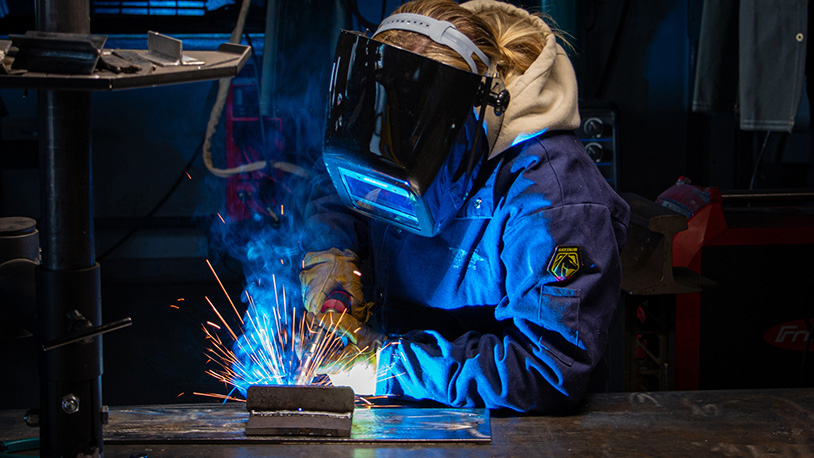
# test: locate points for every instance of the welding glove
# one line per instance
(326, 272)
(355, 365)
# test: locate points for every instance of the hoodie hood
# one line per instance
(543, 98)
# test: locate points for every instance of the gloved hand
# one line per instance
(325, 272)
(357, 363)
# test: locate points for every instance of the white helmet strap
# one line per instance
(441, 32)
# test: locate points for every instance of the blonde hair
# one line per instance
(512, 43)
(443, 10)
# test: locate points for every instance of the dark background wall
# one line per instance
(155, 202)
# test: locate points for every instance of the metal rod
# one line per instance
(87, 333)
(769, 195)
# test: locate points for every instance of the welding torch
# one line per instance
(338, 301)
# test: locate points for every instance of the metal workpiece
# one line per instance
(299, 423)
(167, 51)
(308, 397)
(213, 424)
(299, 410)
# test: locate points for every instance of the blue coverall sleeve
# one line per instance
(556, 331)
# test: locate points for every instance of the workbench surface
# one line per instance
(754, 423)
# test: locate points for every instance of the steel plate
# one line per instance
(208, 423)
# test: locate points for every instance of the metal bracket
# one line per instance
(55, 52)
(497, 96)
(166, 51)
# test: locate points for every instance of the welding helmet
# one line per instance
(402, 136)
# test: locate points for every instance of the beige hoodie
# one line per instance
(544, 97)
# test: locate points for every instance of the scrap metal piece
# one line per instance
(299, 410)
(167, 51)
(57, 52)
(111, 62)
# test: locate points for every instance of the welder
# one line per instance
(475, 242)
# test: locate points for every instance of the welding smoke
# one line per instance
(267, 245)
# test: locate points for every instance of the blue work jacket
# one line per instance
(509, 305)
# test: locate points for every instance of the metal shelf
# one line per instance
(68, 280)
(226, 62)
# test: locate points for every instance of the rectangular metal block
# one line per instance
(299, 411)
(300, 398)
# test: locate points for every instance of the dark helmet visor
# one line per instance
(399, 133)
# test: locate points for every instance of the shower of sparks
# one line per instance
(277, 344)
(218, 396)
(271, 346)
(225, 293)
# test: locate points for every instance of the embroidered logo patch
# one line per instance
(460, 256)
(565, 262)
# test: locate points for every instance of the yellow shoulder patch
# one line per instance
(565, 262)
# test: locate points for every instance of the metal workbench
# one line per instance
(751, 423)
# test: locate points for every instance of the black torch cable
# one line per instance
(257, 77)
(157, 206)
(354, 8)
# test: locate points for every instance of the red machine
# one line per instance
(753, 328)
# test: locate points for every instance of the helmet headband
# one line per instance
(441, 32)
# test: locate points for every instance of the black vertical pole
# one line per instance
(68, 281)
